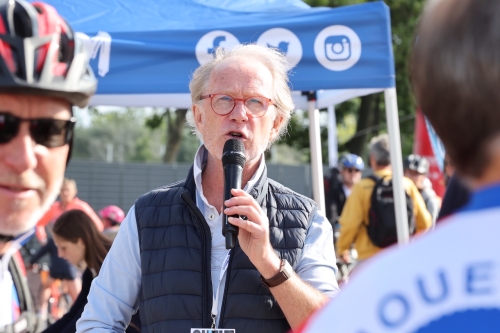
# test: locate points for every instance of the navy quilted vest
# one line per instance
(175, 246)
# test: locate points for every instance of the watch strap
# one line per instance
(283, 275)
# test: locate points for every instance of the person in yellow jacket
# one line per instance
(354, 217)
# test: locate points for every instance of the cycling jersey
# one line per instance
(445, 281)
(17, 312)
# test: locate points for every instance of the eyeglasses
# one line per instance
(47, 132)
(224, 104)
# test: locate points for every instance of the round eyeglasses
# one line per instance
(224, 104)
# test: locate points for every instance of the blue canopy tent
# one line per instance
(145, 50)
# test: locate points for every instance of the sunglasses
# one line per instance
(350, 170)
(48, 132)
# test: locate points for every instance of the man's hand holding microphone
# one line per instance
(252, 231)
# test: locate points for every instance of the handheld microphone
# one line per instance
(233, 161)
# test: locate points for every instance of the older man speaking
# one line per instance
(169, 257)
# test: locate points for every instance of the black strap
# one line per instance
(375, 178)
(6, 238)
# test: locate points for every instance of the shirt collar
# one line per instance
(484, 198)
(200, 161)
(383, 173)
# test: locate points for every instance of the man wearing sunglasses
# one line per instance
(43, 73)
(416, 168)
(170, 259)
(350, 167)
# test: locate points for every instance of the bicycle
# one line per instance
(59, 302)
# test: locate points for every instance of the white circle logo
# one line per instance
(337, 48)
(285, 41)
(210, 41)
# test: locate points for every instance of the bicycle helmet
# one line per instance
(39, 54)
(351, 161)
(113, 213)
(417, 163)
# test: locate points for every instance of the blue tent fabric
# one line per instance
(153, 43)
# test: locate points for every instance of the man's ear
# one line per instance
(276, 127)
(196, 114)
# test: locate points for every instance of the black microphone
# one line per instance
(233, 161)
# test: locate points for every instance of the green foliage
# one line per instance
(135, 134)
(297, 136)
(121, 130)
(155, 121)
(404, 17)
(188, 148)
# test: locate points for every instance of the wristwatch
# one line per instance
(284, 274)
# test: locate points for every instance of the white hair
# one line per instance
(269, 57)
(380, 149)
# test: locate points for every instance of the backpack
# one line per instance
(382, 216)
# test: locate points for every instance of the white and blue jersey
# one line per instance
(445, 281)
(9, 301)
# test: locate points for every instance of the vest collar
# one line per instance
(190, 184)
(258, 192)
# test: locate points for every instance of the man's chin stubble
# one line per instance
(17, 224)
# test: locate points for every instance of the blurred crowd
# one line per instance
(354, 205)
(56, 268)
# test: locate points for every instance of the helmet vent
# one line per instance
(22, 24)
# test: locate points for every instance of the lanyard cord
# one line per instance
(215, 303)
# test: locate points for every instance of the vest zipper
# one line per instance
(206, 240)
(226, 285)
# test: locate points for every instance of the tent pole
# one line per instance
(392, 115)
(316, 158)
(333, 151)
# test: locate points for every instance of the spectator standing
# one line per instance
(80, 243)
(340, 185)
(457, 193)
(112, 216)
(69, 201)
(355, 216)
(416, 168)
(60, 269)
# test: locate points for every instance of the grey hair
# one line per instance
(269, 57)
(380, 150)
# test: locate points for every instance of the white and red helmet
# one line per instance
(39, 54)
(112, 213)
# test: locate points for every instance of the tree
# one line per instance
(176, 120)
(116, 133)
(368, 109)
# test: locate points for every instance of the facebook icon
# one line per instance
(211, 41)
(216, 43)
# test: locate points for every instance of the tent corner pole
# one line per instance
(333, 147)
(315, 145)
(397, 164)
